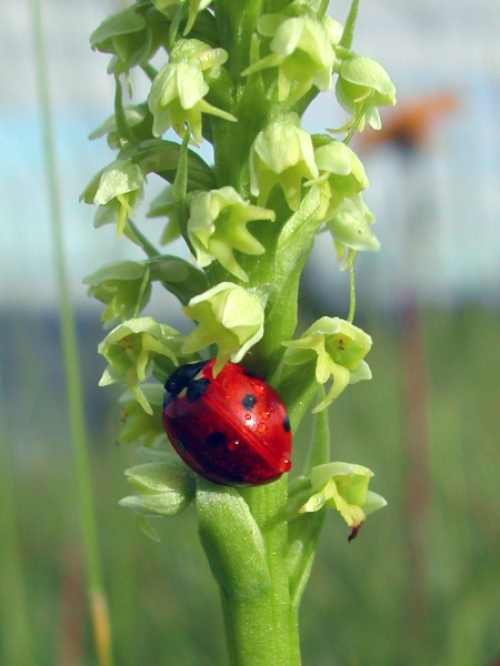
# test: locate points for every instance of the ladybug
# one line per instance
(232, 429)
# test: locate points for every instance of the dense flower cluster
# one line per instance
(248, 221)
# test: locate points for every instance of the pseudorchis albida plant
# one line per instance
(238, 75)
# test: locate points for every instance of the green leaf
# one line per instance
(147, 528)
(178, 276)
(134, 115)
(304, 531)
(232, 541)
(303, 534)
(348, 34)
(297, 233)
(164, 488)
(122, 23)
(162, 157)
(281, 321)
(120, 270)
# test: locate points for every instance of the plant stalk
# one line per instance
(263, 630)
(98, 605)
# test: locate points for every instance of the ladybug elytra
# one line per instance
(232, 429)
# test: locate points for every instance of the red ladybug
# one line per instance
(232, 429)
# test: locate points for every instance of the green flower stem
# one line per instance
(352, 290)
(263, 630)
(99, 613)
(141, 240)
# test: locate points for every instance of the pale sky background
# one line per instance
(447, 202)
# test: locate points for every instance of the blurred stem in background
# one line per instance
(98, 604)
(15, 634)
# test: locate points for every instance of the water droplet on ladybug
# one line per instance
(265, 415)
(248, 417)
(284, 464)
(261, 427)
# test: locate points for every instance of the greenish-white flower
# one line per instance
(350, 227)
(344, 488)
(229, 316)
(120, 287)
(342, 175)
(301, 50)
(364, 85)
(218, 225)
(177, 94)
(131, 349)
(337, 348)
(118, 190)
(193, 6)
(283, 154)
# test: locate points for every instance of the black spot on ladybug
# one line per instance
(196, 389)
(181, 378)
(215, 439)
(249, 401)
(249, 374)
(286, 424)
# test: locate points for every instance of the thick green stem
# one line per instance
(263, 630)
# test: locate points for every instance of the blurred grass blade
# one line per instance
(98, 606)
(15, 633)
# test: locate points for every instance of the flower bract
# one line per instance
(163, 488)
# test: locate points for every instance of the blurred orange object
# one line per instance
(411, 123)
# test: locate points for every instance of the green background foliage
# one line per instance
(418, 586)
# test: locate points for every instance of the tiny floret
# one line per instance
(131, 349)
(118, 190)
(177, 94)
(364, 85)
(229, 316)
(344, 488)
(350, 227)
(218, 225)
(283, 154)
(337, 348)
(301, 49)
(120, 287)
(341, 175)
